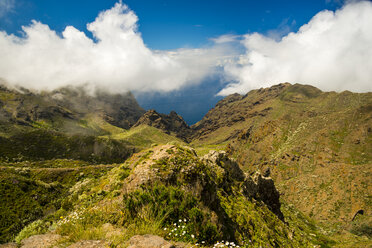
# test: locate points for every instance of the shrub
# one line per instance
(36, 227)
(176, 209)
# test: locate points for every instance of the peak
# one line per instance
(172, 123)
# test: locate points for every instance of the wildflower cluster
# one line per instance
(225, 244)
(72, 218)
(180, 231)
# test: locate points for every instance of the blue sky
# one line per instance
(171, 24)
(185, 55)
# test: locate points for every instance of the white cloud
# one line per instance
(226, 38)
(333, 52)
(118, 61)
(6, 6)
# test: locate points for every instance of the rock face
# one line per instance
(149, 241)
(170, 124)
(258, 187)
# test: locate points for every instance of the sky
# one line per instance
(185, 55)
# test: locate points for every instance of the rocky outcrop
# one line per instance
(258, 186)
(170, 124)
(41, 241)
(149, 241)
(90, 244)
(9, 245)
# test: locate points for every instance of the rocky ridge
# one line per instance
(171, 124)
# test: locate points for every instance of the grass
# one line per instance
(100, 125)
(145, 136)
(202, 150)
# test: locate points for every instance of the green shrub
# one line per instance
(172, 206)
(36, 227)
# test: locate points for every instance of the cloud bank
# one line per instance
(117, 60)
(333, 52)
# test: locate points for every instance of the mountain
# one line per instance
(69, 110)
(285, 166)
(316, 145)
(66, 123)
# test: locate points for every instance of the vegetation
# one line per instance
(28, 194)
(85, 176)
(46, 145)
(144, 136)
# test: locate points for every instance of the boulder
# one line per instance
(149, 241)
(40, 241)
(90, 244)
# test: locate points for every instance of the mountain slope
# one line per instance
(317, 145)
